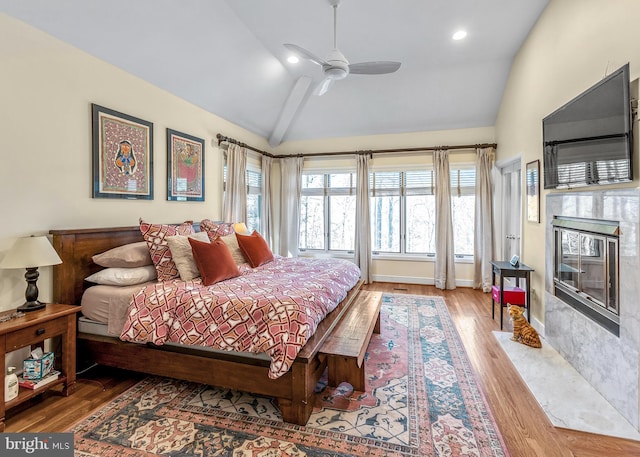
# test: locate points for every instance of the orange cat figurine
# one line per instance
(523, 332)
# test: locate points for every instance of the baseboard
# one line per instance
(418, 280)
(539, 326)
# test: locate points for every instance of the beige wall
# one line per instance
(573, 45)
(46, 91)
(391, 141)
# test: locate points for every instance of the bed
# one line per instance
(293, 390)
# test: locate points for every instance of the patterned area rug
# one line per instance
(422, 399)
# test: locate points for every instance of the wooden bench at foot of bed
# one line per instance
(347, 344)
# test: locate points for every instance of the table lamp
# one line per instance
(30, 253)
(241, 228)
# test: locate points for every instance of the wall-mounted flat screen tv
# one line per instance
(588, 141)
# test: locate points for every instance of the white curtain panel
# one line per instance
(267, 206)
(483, 235)
(234, 207)
(445, 274)
(363, 227)
(290, 191)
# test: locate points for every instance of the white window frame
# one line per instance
(459, 187)
(254, 187)
(401, 191)
(326, 192)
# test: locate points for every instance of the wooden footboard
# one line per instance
(294, 390)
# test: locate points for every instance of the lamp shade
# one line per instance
(241, 228)
(31, 252)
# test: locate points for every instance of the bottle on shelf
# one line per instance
(11, 384)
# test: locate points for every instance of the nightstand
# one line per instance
(33, 329)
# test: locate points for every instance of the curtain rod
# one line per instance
(222, 138)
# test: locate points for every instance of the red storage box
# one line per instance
(512, 295)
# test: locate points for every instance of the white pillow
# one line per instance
(183, 255)
(127, 256)
(232, 243)
(118, 276)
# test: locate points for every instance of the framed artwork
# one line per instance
(185, 167)
(533, 191)
(122, 155)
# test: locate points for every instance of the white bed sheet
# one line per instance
(108, 305)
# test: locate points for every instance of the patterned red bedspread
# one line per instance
(274, 308)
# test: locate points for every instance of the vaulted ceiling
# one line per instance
(227, 56)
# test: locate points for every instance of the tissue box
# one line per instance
(38, 368)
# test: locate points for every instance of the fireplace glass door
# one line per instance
(586, 264)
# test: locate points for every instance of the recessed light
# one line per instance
(459, 35)
(293, 59)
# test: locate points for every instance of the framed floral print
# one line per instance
(185, 167)
(122, 155)
(533, 191)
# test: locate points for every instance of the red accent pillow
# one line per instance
(214, 261)
(156, 237)
(255, 249)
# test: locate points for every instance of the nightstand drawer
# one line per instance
(36, 333)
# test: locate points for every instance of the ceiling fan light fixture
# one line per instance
(337, 66)
(293, 59)
(336, 73)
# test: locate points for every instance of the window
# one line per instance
(403, 212)
(312, 226)
(327, 212)
(253, 181)
(463, 200)
(254, 199)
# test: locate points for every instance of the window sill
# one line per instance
(389, 257)
(327, 254)
(404, 257)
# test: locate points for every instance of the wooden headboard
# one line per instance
(75, 248)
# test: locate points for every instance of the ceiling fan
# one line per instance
(336, 66)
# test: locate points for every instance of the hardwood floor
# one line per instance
(524, 426)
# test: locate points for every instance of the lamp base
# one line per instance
(31, 306)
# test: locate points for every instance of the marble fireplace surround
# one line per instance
(609, 363)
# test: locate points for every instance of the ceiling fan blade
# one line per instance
(374, 68)
(304, 54)
(323, 86)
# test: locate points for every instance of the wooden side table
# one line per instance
(33, 329)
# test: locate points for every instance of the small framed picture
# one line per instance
(533, 191)
(185, 167)
(515, 261)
